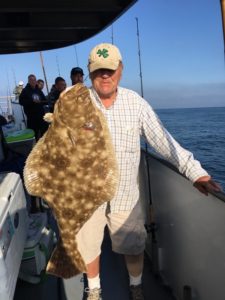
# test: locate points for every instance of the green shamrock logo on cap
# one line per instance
(103, 53)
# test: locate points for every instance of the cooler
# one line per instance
(38, 248)
(13, 231)
(20, 141)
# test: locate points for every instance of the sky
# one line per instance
(181, 46)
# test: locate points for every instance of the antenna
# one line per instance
(139, 55)
(43, 68)
(75, 48)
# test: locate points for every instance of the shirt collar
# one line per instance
(98, 100)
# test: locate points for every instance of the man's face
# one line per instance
(60, 86)
(32, 81)
(40, 85)
(105, 81)
(77, 78)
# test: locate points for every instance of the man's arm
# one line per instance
(159, 138)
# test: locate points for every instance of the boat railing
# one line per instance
(150, 153)
(187, 247)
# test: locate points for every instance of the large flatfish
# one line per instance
(73, 168)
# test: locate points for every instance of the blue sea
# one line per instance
(202, 131)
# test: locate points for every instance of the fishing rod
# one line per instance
(75, 48)
(43, 68)
(14, 76)
(8, 108)
(139, 56)
(222, 4)
(57, 63)
(112, 35)
(151, 226)
(77, 62)
(8, 87)
(142, 95)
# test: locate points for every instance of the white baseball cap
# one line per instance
(104, 56)
(21, 82)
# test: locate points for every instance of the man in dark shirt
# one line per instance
(57, 88)
(33, 100)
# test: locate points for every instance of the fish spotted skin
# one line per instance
(73, 168)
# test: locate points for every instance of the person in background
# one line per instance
(3, 145)
(129, 116)
(33, 100)
(59, 86)
(17, 90)
(40, 84)
(77, 75)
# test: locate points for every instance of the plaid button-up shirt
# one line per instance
(129, 118)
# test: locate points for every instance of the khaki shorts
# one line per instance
(126, 230)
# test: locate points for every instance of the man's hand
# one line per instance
(205, 184)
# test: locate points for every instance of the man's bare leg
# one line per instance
(94, 286)
(93, 268)
(135, 264)
(135, 268)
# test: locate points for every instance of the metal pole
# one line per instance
(43, 68)
(139, 55)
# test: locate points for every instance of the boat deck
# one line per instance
(113, 277)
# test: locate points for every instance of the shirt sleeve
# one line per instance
(164, 144)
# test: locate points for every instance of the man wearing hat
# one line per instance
(77, 75)
(18, 89)
(128, 116)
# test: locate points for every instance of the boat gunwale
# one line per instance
(218, 195)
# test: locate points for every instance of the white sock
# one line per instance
(94, 282)
(135, 280)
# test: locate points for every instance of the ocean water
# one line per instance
(202, 131)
